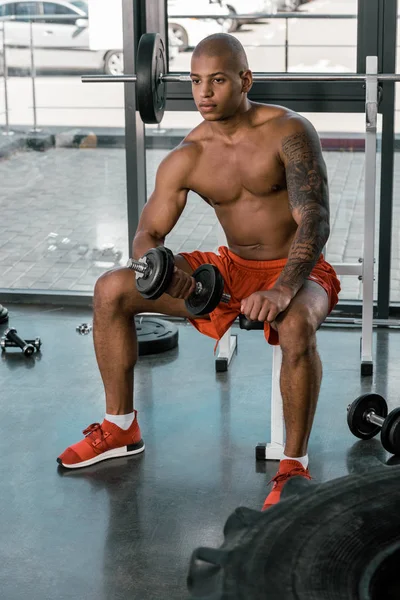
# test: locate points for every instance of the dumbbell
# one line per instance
(154, 271)
(368, 415)
(10, 339)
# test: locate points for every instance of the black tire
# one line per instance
(234, 24)
(337, 540)
(111, 60)
(182, 35)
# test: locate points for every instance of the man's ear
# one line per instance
(247, 80)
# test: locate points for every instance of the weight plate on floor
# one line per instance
(161, 264)
(3, 315)
(356, 412)
(213, 286)
(390, 434)
(155, 335)
(150, 90)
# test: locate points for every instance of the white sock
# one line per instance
(122, 421)
(301, 459)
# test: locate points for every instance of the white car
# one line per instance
(190, 31)
(61, 37)
(248, 7)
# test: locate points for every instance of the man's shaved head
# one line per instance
(225, 46)
(220, 77)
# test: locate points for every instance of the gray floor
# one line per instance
(59, 206)
(126, 528)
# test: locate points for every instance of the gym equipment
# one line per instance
(368, 415)
(3, 314)
(84, 328)
(151, 77)
(154, 271)
(10, 339)
(364, 268)
(154, 335)
(338, 540)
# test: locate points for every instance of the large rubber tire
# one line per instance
(320, 542)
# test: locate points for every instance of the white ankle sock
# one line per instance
(301, 459)
(122, 421)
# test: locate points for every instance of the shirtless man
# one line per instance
(261, 168)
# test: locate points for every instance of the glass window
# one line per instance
(64, 203)
(51, 9)
(307, 41)
(81, 5)
(26, 8)
(6, 10)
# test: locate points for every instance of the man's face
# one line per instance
(217, 89)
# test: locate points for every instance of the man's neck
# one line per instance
(231, 127)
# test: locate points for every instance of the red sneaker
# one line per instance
(287, 469)
(102, 442)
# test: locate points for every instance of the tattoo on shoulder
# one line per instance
(305, 170)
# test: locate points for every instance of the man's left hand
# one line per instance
(266, 306)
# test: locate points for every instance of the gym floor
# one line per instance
(126, 528)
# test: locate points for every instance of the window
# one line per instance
(6, 10)
(52, 9)
(81, 5)
(26, 8)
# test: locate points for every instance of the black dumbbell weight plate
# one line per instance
(357, 411)
(390, 434)
(161, 264)
(213, 287)
(150, 90)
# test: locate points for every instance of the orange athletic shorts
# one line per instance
(244, 277)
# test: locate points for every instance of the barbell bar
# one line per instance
(180, 78)
(152, 75)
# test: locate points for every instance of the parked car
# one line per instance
(62, 41)
(60, 36)
(290, 5)
(190, 31)
(248, 7)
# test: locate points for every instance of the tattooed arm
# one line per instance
(307, 187)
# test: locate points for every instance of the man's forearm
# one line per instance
(142, 242)
(311, 236)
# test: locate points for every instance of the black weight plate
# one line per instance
(3, 315)
(213, 286)
(166, 272)
(150, 90)
(390, 434)
(161, 268)
(155, 335)
(356, 412)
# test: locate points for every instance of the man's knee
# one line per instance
(297, 333)
(113, 288)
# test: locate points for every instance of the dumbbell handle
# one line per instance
(372, 417)
(138, 266)
(199, 288)
(26, 348)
